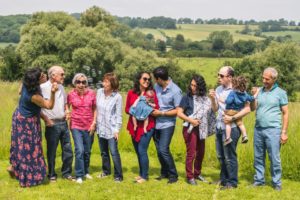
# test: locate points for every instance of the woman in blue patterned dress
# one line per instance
(26, 153)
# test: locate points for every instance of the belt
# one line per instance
(58, 120)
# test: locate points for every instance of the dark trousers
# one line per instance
(141, 149)
(162, 139)
(195, 149)
(54, 134)
(111, 145)
(228, 157)
(82, 141)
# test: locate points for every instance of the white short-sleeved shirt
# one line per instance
(58, 111)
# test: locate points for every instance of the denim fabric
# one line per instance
(54, 134)
(141, 148)
(267, 139)
(228, 157)
(112, 146)
(82, 142)
(162, 139)
(142, 110)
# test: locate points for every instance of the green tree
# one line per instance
(220, 40)
(285, 57)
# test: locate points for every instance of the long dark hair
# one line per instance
(201, 86)
(31, 80)
(136, 84)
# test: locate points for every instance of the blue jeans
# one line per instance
(59, 132)
(82, 142)
(112, 145)
(141, 148)
(227, 157)
(162, 139)
(267, 139)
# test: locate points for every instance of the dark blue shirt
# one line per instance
(26, 107)
(236, 100)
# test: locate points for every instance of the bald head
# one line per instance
(227, 70)
(56, 74)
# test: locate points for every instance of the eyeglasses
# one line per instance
(221, 75)
(82, 82)
(146, 79)
(62, 74)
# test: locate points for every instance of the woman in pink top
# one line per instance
(83, 123)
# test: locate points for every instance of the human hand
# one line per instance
(283, 138)
(195, 122)
(212, 94)
(116, 136)
(49, 123)
(227, 119)
(54, 87)
(92, 128)
(254, 91)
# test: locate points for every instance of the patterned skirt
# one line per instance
(26, 153)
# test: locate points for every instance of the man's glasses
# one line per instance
(146, 79)
(62, 74)
(221, 75)
(82, 82)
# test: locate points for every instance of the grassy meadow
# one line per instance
(197, 32)
(108, 189)
(295, 34)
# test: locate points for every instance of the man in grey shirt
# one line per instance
(56, 125)
(227, 155)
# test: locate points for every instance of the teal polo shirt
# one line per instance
(269, 103)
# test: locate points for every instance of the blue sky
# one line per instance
(205, 9)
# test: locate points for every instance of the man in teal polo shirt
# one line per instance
(270, 127)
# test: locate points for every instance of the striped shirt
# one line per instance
(109, 114)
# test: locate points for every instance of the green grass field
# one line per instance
(4, 44)
(295, 34)
(198, 32)
(207, 67)
(108, 189)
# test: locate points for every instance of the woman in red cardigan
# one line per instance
(140, 138)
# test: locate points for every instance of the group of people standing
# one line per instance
(152, 111)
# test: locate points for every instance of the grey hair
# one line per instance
(53, 70)
(273, 72)
(77, 76)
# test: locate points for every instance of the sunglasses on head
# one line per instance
(78, 82)
(146, 79)
(221, 75)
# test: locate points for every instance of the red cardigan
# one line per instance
(131, 97)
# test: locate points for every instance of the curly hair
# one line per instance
(239, 83)
(31, 80)
(136, 84)
(201, 86)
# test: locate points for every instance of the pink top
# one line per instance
(82, 109)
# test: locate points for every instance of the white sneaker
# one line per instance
(88, 176)
(79, 180)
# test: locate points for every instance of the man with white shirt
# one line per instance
(56, 125)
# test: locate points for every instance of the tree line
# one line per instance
(97, 43)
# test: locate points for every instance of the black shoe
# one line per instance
(228, 187)
(172, 180)
(277, 187)
(161, 177)
(192, 181)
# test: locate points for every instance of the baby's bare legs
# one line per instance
(146, 122)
